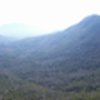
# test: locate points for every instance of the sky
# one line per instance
(45, 16)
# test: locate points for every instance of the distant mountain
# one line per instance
(16, 30)
(67, 61)
(6, 40)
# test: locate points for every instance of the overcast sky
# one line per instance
(45, 16)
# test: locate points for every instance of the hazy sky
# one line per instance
(46, 15)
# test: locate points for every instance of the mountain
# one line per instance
(66, 62)
(70, 51)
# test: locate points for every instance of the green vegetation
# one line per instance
(12, 88)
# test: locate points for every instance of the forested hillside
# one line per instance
(60, 66)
